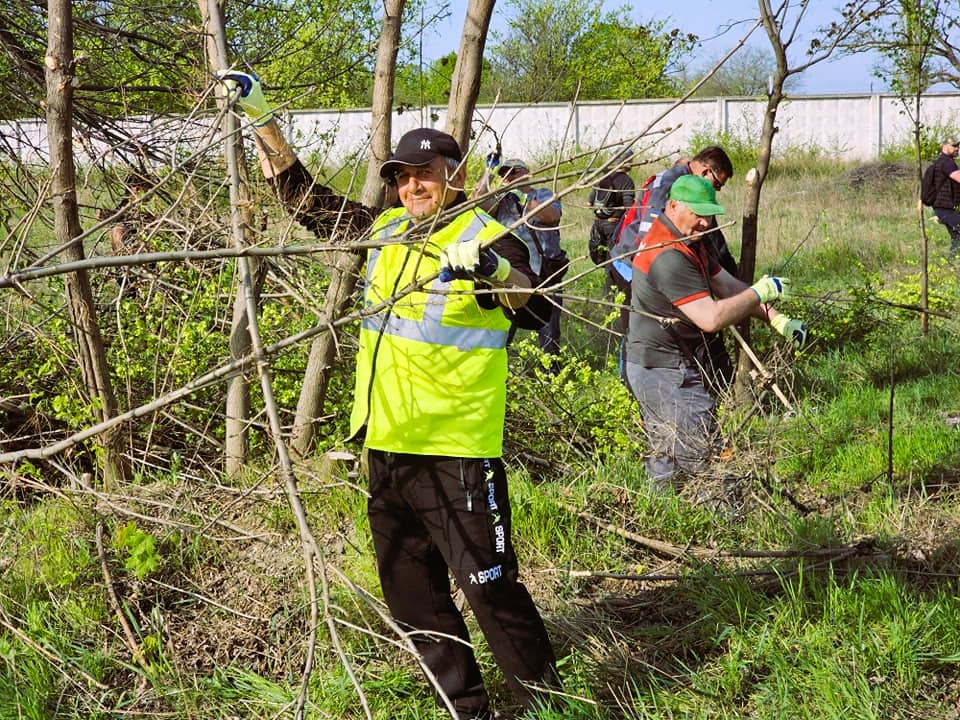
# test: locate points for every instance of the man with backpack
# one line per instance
(715, 165)
(711, 163)
(540, 232)
(941, 190)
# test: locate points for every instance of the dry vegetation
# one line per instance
(639, 591)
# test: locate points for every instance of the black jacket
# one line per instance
(948, 191)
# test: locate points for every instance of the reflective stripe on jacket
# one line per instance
(432, 366)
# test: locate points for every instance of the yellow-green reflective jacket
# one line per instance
(432, 367)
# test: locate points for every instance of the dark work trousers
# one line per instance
(549, 334)
(950, 219)
(428, 514)
(679, 420)
(602, 239)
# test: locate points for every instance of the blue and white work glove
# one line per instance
(244, 90)
(468, 260)
(791, 329)
(493, 160)
(770, 288)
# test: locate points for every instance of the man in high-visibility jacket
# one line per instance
(430, 403)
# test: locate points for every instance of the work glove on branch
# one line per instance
(770, 288)
(791, 329)
(469, 260)
(244, 90)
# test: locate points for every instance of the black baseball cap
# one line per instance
(419, 147)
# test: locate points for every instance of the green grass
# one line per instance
(872, 634)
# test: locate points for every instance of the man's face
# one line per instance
(687, 221)
(424, 190)
(717, 179)
(516, 173)
(952, 150)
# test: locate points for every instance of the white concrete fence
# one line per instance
(849, 127)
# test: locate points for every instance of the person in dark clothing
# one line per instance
(430, 402)
(681, 295)
(947, 179)
(540, 232)
(609, 199)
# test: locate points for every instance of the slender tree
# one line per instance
(906, 39)
(345, 266)
(237, 431)
(783, 26)
(466, 75)
(59, 63)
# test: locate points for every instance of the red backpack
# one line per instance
(635, 212)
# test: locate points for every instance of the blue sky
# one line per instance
(706, 19)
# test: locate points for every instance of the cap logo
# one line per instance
(424, 144)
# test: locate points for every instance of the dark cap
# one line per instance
(512, 164)
(419, 147)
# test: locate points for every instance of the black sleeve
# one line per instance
(720, 252)
(538, 308)
(515, 251)
(318, 208)
(626, 189)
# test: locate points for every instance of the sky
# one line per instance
(707, 19)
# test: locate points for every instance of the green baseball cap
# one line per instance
(697, 194)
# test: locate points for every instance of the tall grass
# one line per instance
(867, 632)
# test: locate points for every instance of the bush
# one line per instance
(567, 411)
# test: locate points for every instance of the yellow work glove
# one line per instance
(468, 259)
(244, 90)
(791, 329)
(770, 288)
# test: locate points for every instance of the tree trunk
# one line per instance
(83, 313)
(237, 430)
(748, 236)
(345, 266)
(465, 85)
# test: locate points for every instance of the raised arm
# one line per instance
(315, 206)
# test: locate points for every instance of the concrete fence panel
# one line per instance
(849, 127)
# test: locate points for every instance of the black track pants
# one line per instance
(427, 514)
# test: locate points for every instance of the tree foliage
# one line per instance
(745, 74)
(906, 50)
(321, 53)
(416, 85)
(918, 41)
(129, 57)
(552, 47)
(143, 58)
(614, 60)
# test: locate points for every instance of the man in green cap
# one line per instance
(680, 297)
